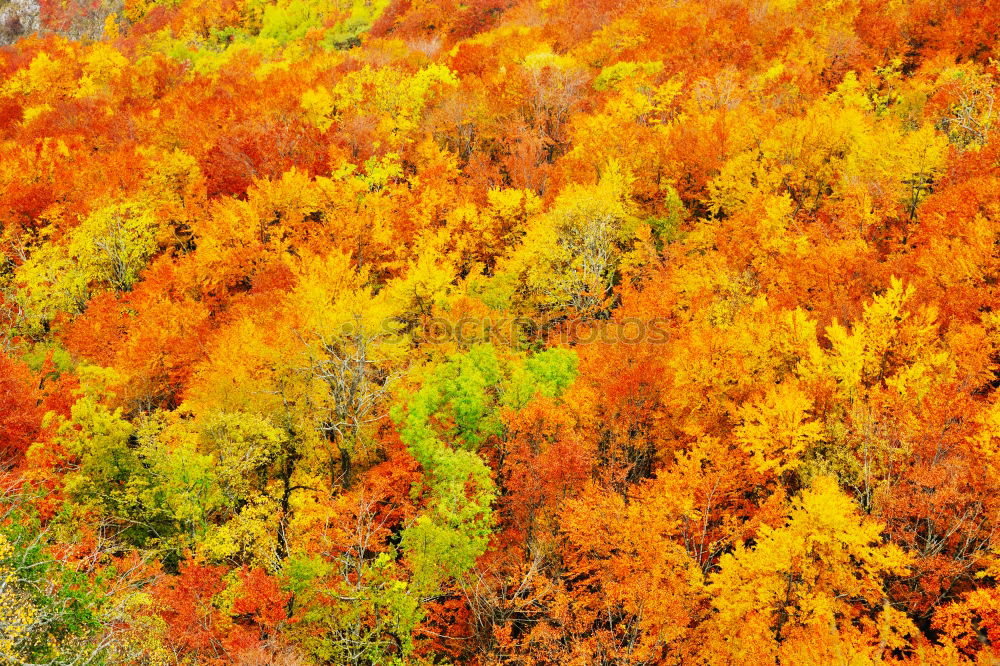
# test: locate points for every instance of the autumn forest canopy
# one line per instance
(499, 332)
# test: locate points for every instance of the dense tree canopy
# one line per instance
(524, 332)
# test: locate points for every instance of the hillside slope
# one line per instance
(500, 332)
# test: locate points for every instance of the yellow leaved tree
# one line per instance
(818, 578)
(571, 254)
